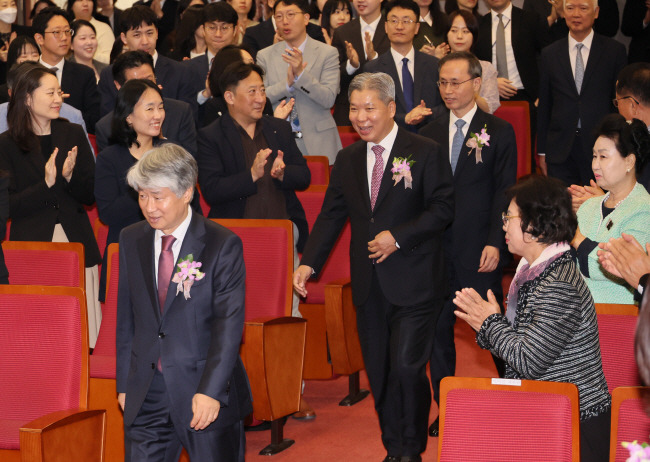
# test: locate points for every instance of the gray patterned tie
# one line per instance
(457, 143)
(502, 60)
(580, 67)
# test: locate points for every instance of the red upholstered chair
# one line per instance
(630, 420)
(518, 114)
(92, 212)
(503, 420)
(101, 235)
(45, 263)
(44, 379)
(329, 308)
(319, 166)
(93, 144)
(205, 207)
(103, 390)
(348, 136)
(616, 329)
(273, 345)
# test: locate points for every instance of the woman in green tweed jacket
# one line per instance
(620, 152)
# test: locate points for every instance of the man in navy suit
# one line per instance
(53, 34)
(178, 126)
(416, 93)
(180, 380)
(138, 31)
(475, 240)
(396, 256)
(577, 81)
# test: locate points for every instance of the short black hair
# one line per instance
(48, 3)
(471, 22)
(404, 4)
(128, 96)
(634, 79)
(545, 208)
(43, 18)
(220, 11)
(235, 73)
(473, 64)
(133, 18)
(629, 138)
(129, 60)
(17, 46)
(299, 3)
(225, 57)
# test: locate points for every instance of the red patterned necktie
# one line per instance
(165, 268)
(377, 173)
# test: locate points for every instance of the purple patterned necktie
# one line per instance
(377, 173)
(165, 268)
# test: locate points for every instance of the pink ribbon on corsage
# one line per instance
(188, 272)
(402, 170)
(477, 141)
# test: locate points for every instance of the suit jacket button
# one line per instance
(161, 335)
(153, 365)
(372, 220)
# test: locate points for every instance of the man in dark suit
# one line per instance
(265, 34)
(359, 41)
(180, 380)
(53, 34)
(415, 85)
(4, 216)
(166, 12)
(396, 256)
(178, 126)
(138, 31)
(475, 240)
(578, 77)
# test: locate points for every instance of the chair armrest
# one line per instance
(342, 335)
(273, 353)
(65, 435)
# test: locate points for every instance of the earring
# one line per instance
(628, 170)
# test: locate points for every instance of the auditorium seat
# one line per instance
(630, 420)
(518, 115)
(319, 167)
(348, 136)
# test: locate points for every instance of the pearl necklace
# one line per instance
(621, 201)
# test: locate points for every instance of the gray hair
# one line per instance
(474, 65)
(382, 83)
(166, 166)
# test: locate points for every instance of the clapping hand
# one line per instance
(579, 194)
(417, 114)
(283, 109)
(50, 169)
(625, 258)
(352, 55)
(277, 170)
(473, 309)
(257, 170)
(370, 48)
(68, 164)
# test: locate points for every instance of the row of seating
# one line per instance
(529, 420)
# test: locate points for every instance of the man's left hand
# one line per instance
(417, 114)
(205, 409)
(293, 57)
(473, 309)
(489, 259)
(382, 246)
(277, 170)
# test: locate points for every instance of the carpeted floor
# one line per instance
(352, 433)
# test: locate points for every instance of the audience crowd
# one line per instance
(251, 87)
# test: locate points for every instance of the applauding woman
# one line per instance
(51, 172)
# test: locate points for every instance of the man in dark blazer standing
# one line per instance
(359, 41)
(138, 31)
(577, 82)
(180, 380)
(416, 92)
(396, 256)
(475, 240)
(264, 35)
(53, 34)
(178, 126)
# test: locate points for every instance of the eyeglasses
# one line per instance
(506, 218)
(453, 85)
(60, 33)
(289, 15)
(213, 28)
(396, 21)
(616, 100)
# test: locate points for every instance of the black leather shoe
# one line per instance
(434, 428)
(392, 459)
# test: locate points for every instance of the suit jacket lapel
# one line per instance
(147, 255)
(388, 63)
(193, 243)
(357, 43)
(360, 166)
(593, 59)
(400, 149)
(234, 139)
(565, 64)
(475, 126)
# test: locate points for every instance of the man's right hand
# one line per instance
(300, 277)
(506, 89)
(257, 170)
(121, 399)
(352, 54)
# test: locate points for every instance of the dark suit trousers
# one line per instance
(156, 436)
(576, 169)
(396, 343)
(443, 355)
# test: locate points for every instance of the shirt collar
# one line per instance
(58, 65)
(179, 233)
(398, 57)
(388, 141)
(507, 13)
(154, 56)
(467, 117)
(586, 42)
(372, 26)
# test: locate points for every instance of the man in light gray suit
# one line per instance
(302, 68)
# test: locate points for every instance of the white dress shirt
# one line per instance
(399, 64)
(179, 234)
(452, 125)
(573, 50)
(513, 72)
(59, 67)
(365, 27)
(387, 144)
(427, 19)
